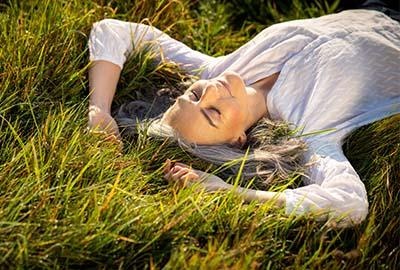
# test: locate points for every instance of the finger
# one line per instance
(117, 135)
(189, 178)
(169, 176)
(186, 179)
(192, 176)
(112, 138)
(182, 165)
(167, 166)
(176, 182)
(96, 131)
(115, 140)
(175, 169)
(178, 174)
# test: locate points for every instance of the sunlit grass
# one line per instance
(70, 199)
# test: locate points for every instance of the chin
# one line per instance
(236, 83)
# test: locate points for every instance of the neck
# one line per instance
(257, 93)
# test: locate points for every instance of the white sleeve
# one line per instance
(113, 40)
(335, 190)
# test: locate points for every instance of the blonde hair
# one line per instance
(271, 152)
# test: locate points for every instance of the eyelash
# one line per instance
(195, 95)
(216, 110)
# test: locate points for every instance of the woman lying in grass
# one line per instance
(333, 74)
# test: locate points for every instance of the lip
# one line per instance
(226, 86)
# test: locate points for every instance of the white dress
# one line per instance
(337, 72)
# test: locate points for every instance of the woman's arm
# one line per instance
(182, 175)
(110, 43)
(262, 196)
(335, 191)
(114, 40)
(103, 79)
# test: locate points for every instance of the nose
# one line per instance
(210, 93)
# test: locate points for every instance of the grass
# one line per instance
(71, 200)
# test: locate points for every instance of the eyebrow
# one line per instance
(208, 118)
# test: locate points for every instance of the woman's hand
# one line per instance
(102, 122)
(182, 175)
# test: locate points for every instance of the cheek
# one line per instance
(236, 116)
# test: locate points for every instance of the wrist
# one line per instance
(262, 196)
(96, 109)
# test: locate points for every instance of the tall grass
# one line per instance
(72, 200)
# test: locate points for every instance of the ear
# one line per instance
(240, 140)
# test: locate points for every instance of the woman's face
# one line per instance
(211, 111)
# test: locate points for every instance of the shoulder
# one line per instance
(348, 21)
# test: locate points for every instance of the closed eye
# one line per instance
(208, 118)
(195, 95)
(216, 110)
